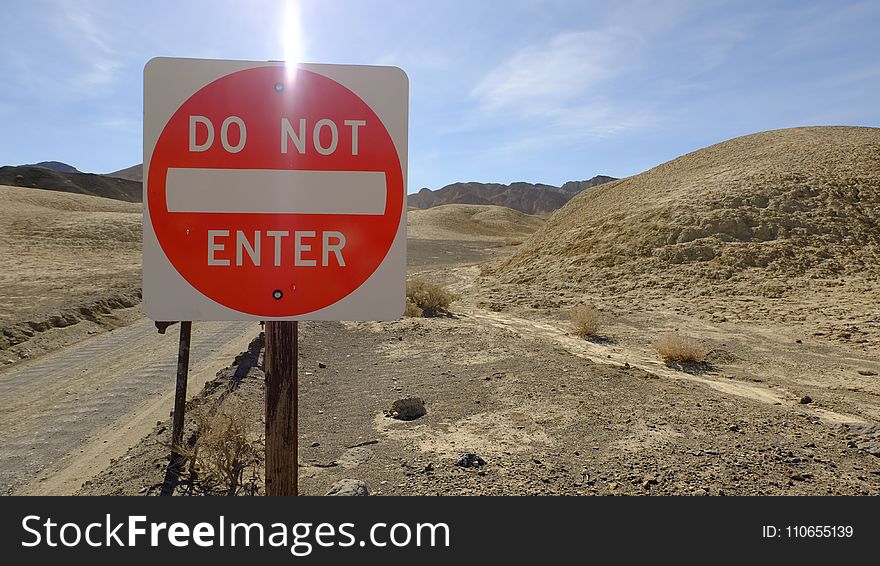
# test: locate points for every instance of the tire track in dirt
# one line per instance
(83, 396)
(463, 281)
(600, 354)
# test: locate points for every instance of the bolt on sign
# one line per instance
(274, 192)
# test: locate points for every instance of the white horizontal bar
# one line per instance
(275, 191)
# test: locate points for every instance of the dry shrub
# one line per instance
(675, 349)
(431, 299)
(225, 449)
(411, 309)
(587, 321)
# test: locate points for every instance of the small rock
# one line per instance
(315, 444)
(733, 428)
(798, 477)
(701, 492)
(322, 365)
(470, 460)
(349, 487)
(867, 372)
(407, 409)
(798, 341)
(613, 486)
(806, 399)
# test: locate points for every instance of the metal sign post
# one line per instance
(281, 407)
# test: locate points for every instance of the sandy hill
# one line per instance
(133, 173)
(784, 213)
(524, 197)
(56, 166)
(80, 183)
(61, 253)
(470, 222)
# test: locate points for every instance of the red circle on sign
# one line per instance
(261, 97)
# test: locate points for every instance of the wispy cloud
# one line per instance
(120, 124)
(563, 90)
(100, 73)
(567, 68)
(99, 62)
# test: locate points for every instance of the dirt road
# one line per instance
(64, 416)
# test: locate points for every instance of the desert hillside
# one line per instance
(792, 216)
(65, 257)
(524, 197)
(81, 183)
(574, 187)
(470, 222)
(133, 173)
(57, 166)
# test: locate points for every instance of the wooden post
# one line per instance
(180, 391)
(281, 407)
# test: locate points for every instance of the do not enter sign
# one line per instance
(274, 192)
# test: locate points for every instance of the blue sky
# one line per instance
(530, 90)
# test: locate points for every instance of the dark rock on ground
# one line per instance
(470, 460)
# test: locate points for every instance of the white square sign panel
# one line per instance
(274, 192)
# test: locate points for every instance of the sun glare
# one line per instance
(291, 37)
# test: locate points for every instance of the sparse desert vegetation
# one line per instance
(226, 448)
(587, 321)
(676, 349)
(424, 298)
(411, 310)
